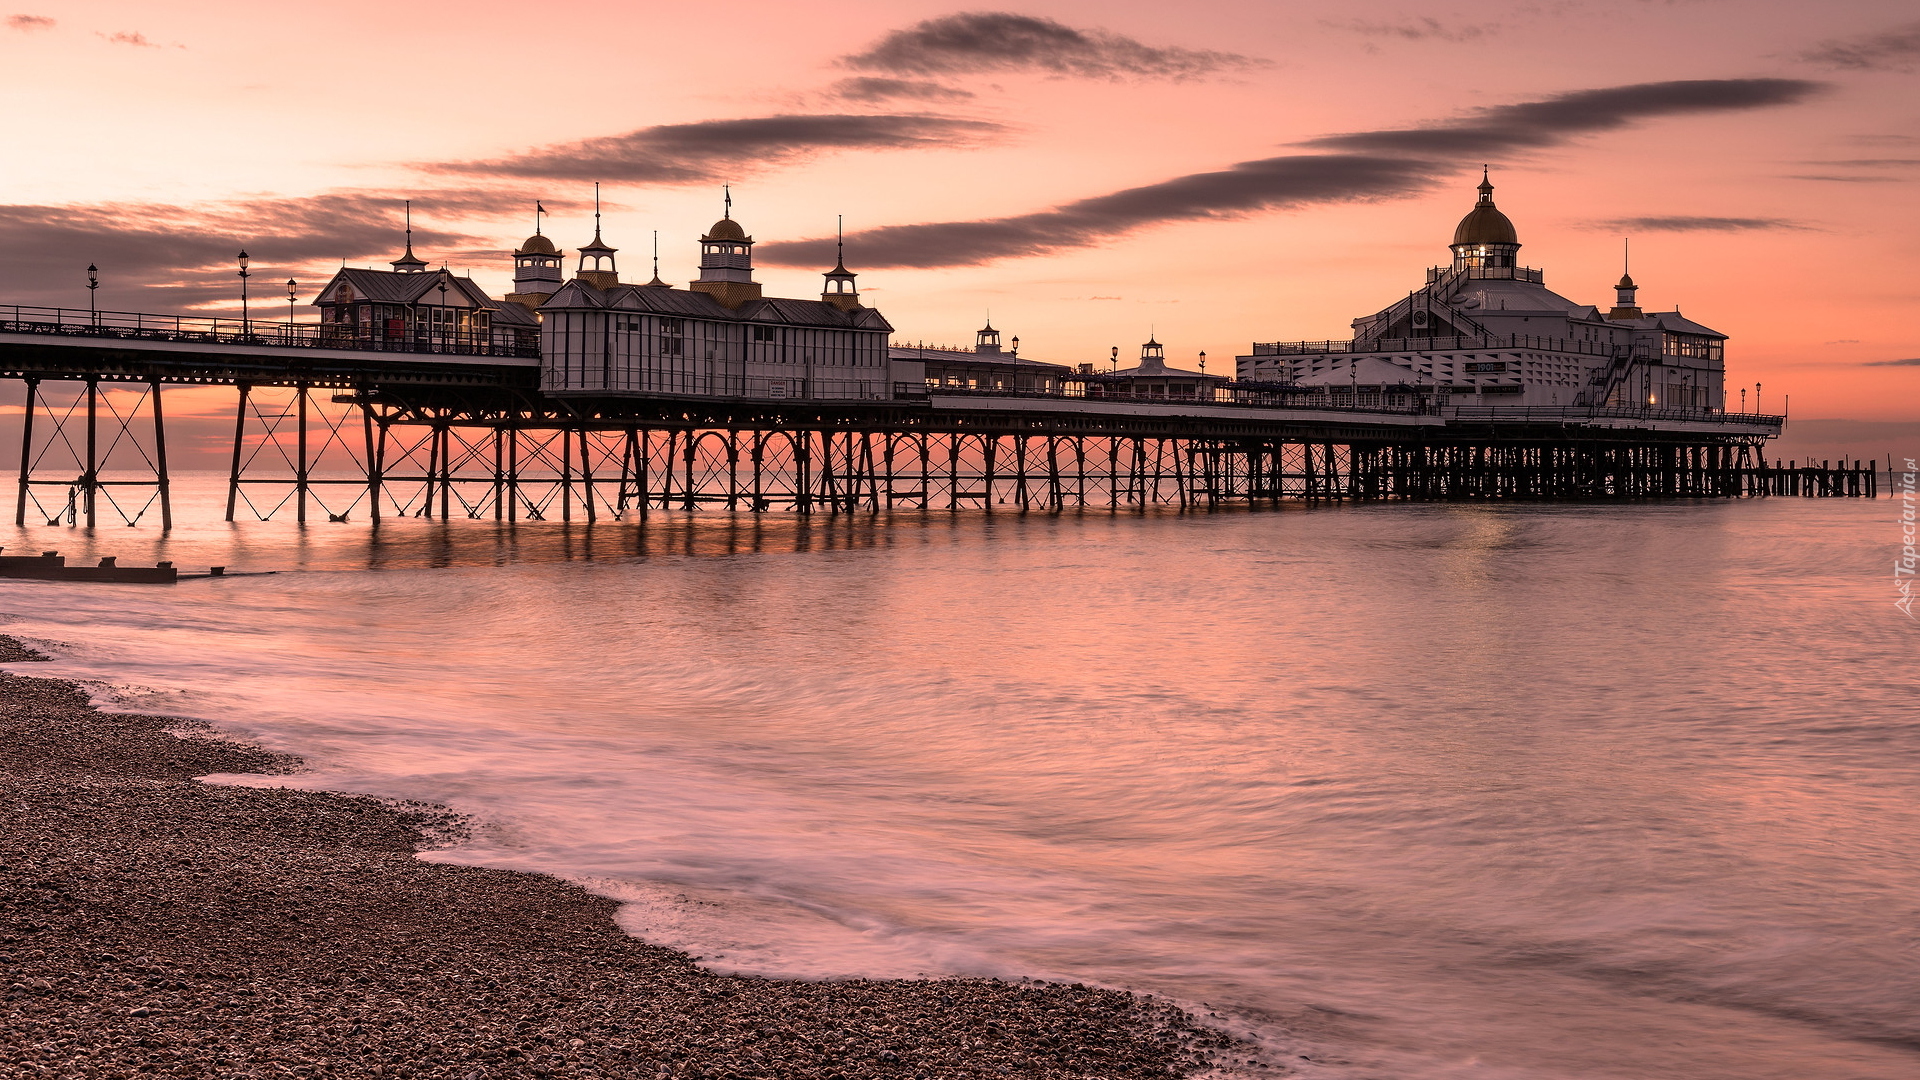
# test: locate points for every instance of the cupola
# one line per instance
(537, 269)
(1625, 306)
(726, 261)
(1485, 237)
(986, 340)
(839, 288)
(597, 265)
(1153, 356)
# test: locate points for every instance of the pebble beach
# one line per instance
(155, 925)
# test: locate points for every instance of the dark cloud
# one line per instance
(1895, 49)
(29, 22)
(1365, 166)
(1273, 183)
(1698, 224)
(713, 150)
(1911, 361)
(977, 41)
(130, 37)
(161, 257)
(869, 88)
(1417, 29)
(1533, 124)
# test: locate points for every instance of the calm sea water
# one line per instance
(1403, 791)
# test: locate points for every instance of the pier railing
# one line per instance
(213, 330)
(1535, 413)
(1437, 343)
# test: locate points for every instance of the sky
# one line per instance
(1211, 173)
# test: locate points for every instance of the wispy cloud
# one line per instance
(29, 22)
(981, 41)
(1361, 166)
(712, 150)
(1273, 183)
(1698, 224)
(1911, 361)
(157, 256)
(130, 37)
(1422, 28)
(1533, 124)
(871, 89)
(1893, 49)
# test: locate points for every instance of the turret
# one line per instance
(726, 262)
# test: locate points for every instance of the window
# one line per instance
(763, 333)
(671, 346)
(672, 326)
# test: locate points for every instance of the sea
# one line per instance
(1397, 792)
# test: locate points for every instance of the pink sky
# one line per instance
(1776, 203)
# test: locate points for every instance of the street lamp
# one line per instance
(443, 309)
(1116, 358)
(246, 324)
(1756, 397)
(1203, 361)
(93, 285)
(291, 285)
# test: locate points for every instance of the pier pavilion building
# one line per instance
(1486, 331)
(718, 337)
(411, 307)
(987, 366)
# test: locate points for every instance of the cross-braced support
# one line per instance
(89, 430)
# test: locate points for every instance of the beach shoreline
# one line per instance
(154, 925)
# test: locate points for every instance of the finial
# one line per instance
(537, 211)
(596, 210)
(840, 239)
(656, 254)
(1626, 255)
(726, 194)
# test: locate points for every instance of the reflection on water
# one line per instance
(1413, 791)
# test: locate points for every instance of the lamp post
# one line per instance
(1756, 397)
(93, 286)
(246, 324)
(443, 308)
(1115, 358)
(1203, 361)
(291, 286)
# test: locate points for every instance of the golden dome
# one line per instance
(537, 245)
(726, 229)
(1484, 224)
(1626, 282)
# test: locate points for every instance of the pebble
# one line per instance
(276, 932)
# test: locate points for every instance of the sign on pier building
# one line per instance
(719, 337)
(1487, 331)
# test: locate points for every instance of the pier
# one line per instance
(454, 428)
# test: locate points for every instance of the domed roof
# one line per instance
(1626, 282)
(537, 245)
(726, 229)
(1484, 224)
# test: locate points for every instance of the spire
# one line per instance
(409, 263)
(537, 211)
(1624, 304)
(840, 290)
(603, 273)
(656, 283)
(1486, 186)
(726, 195)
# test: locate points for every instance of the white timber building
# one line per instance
(1486, 331)
(718, 337)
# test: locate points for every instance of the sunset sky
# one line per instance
(1214, 172)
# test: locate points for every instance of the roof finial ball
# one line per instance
(1485, 239)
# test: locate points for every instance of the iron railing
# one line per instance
(1604, 412)
(207, 330)
(1449, 343)
(1485, 273)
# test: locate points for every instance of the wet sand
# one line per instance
(152, 925)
